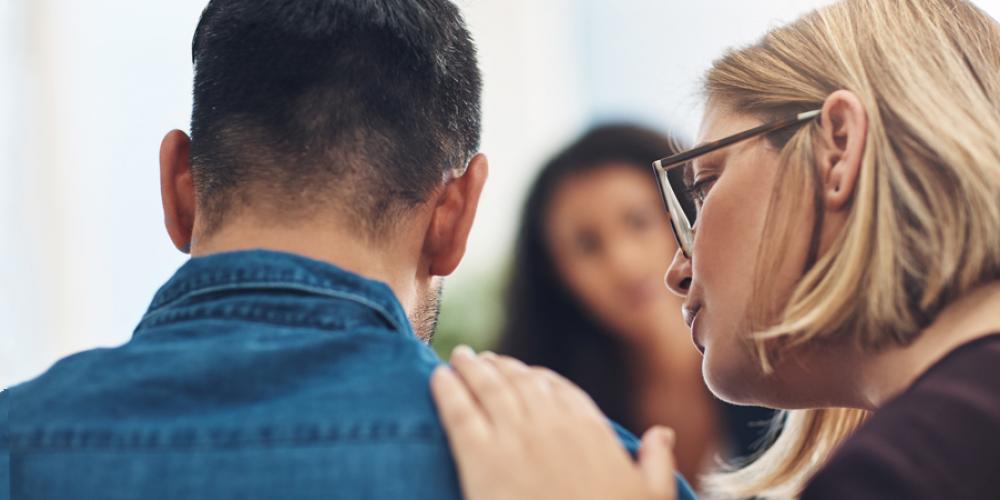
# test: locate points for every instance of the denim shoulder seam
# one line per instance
(278, 285)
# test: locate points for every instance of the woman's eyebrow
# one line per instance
(712, 159)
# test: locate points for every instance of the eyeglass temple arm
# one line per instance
(742, 136)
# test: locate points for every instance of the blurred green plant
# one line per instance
(471, 312)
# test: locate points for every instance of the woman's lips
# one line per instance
(690, 313)
(694, 335)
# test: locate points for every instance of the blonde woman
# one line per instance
(839, 237)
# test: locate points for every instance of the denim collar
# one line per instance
(265, 269)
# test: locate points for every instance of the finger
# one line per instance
(569, 394)
(576, 402)
(487, 386)
(531, 388)
(463, 419)
(656, 462)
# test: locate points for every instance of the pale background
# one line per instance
(88, 88)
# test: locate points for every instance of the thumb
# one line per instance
(656, 463)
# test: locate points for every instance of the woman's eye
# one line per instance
(587, 243)
(638, 220)
(700, 189)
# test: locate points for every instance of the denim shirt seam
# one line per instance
(162, 308)
(265, 436)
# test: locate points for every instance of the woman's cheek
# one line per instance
(590, 284)
(726, 244)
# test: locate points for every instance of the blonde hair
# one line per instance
(924, 226)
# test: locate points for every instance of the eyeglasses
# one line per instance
(683, 200)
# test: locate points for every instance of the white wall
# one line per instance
(92, 88)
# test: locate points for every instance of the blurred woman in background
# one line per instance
(587, 300)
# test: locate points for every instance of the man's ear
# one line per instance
(452, 217)
(844, 124)
(177, 188)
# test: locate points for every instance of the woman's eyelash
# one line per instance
(697, 186)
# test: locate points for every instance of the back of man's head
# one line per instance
(359, 106)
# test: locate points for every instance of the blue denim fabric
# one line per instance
(4, 446)
(253, 375)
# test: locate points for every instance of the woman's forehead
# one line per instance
(719, 122)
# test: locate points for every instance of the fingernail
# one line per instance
(488, 354)
(669, 437)
(444, 378)
(442, 371)
(463, 351)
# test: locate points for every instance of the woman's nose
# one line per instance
(627, 259)
(678, 278)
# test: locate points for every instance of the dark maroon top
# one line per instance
(940, 439)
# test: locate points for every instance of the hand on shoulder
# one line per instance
(520, 432)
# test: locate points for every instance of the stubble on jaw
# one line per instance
(424, 318)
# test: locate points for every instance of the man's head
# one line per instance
(356, 118)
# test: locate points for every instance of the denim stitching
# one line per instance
(220, 437)
(218, 278)
(275, 285)
(323, 322)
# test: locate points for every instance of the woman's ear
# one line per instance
(452, 218)
(844, 124)
(177, 188)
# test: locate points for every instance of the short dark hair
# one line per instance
(300, 104)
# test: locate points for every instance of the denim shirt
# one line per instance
(253, 375)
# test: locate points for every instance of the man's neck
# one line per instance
(889, 373)
(382, 262)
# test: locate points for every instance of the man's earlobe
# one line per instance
(177, 189)
(453, 216)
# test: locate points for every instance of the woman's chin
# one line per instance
(744, 384)
(734, 381)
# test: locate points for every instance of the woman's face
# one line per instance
(609, 238)
(718, 281)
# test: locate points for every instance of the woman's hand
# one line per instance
(521, 433)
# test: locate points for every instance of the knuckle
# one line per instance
(511, 361)
(460, 416)
(487, 382)
(523, 378)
